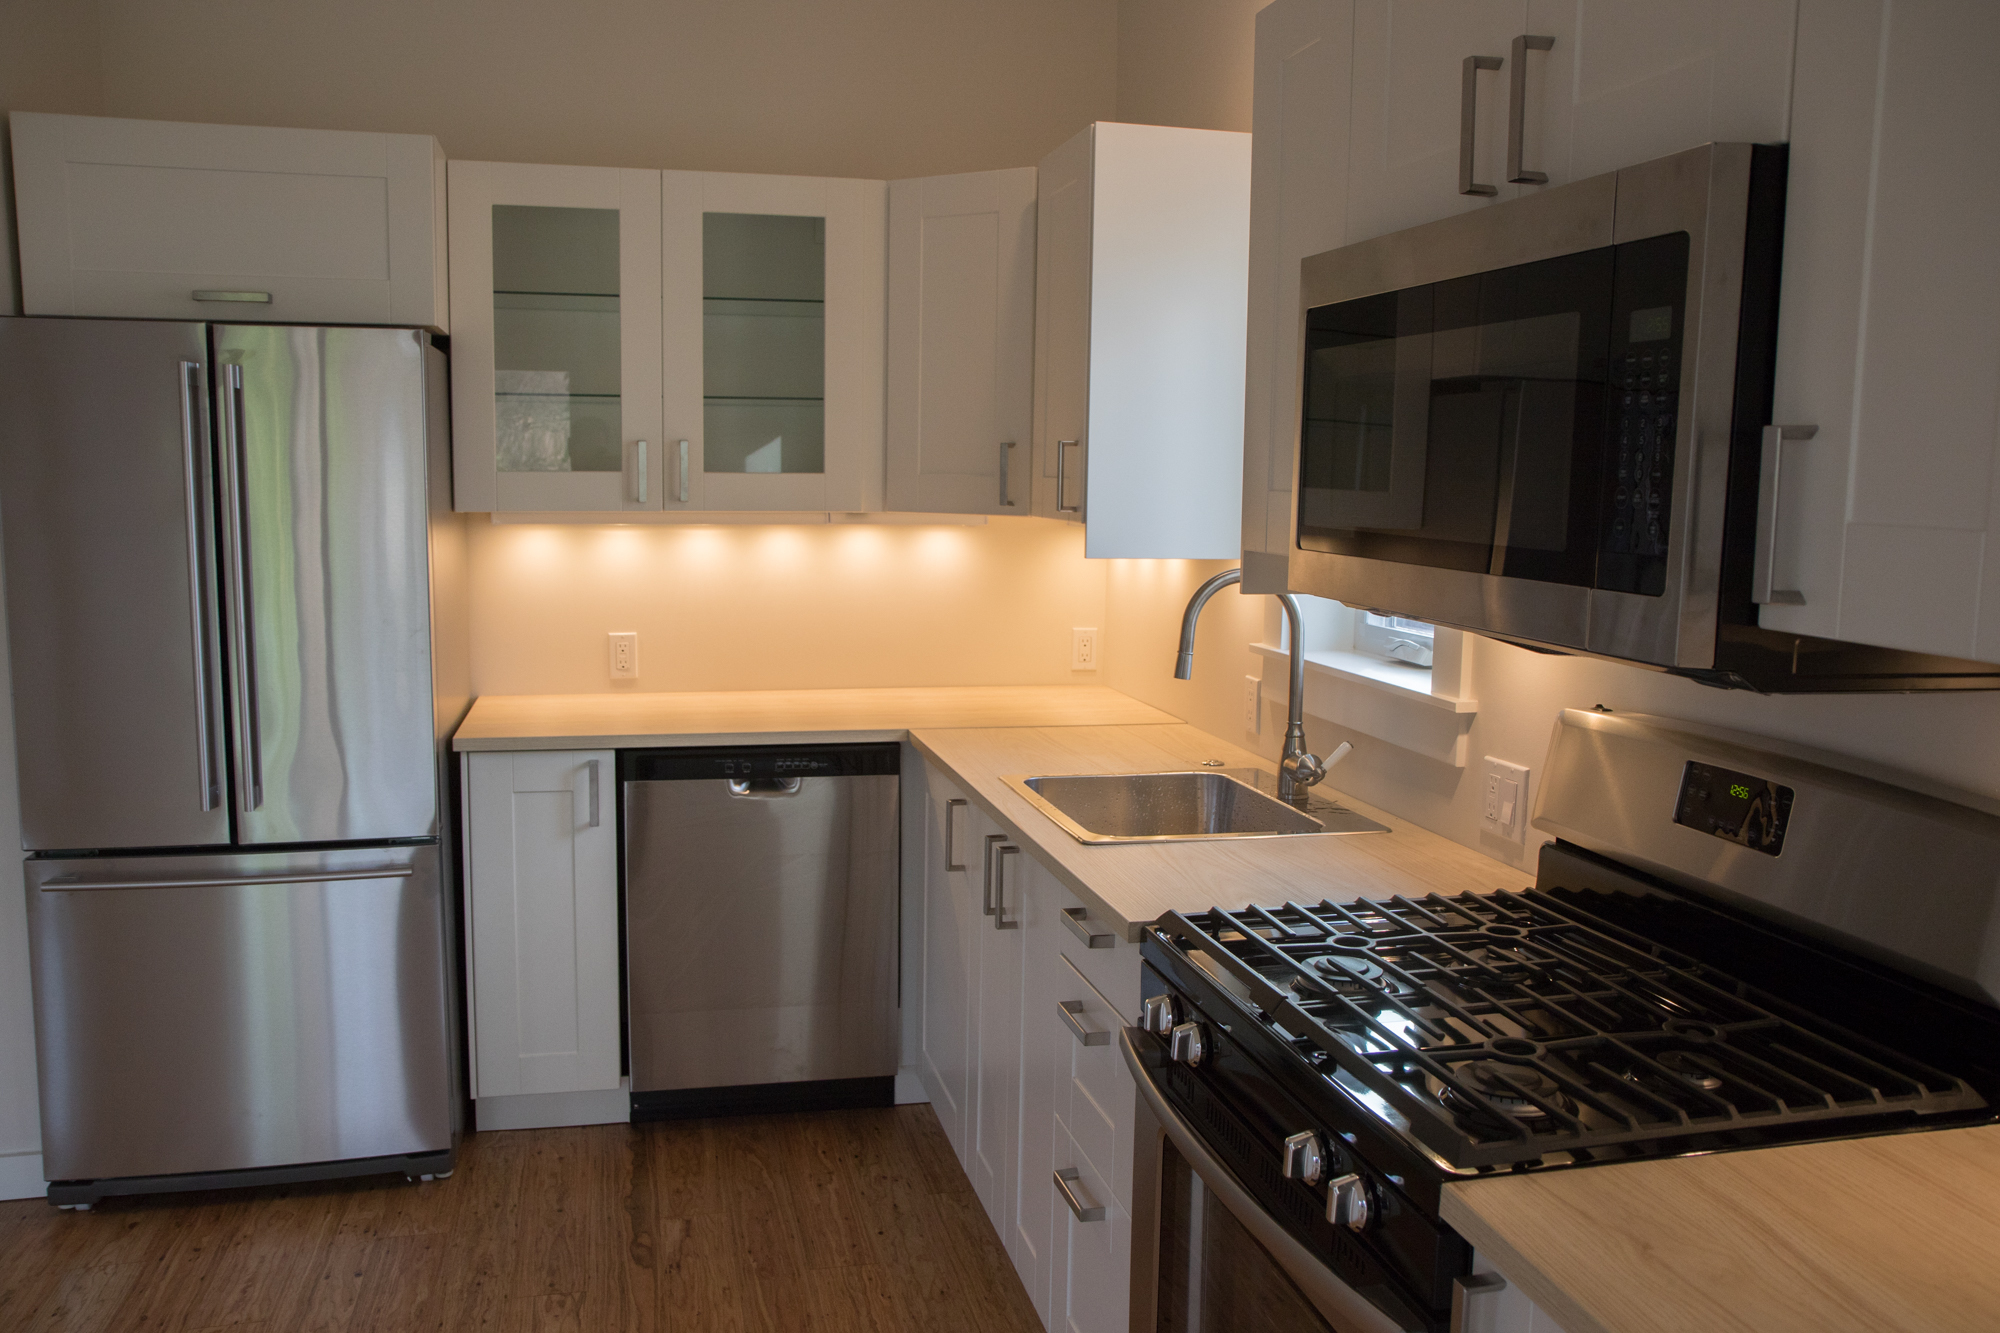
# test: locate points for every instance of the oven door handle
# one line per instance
(1342, 1306)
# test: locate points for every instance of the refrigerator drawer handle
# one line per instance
(197, 528)
(250, 298)
(768, 789)
(70, 883)
(236, 464)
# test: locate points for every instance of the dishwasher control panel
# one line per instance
(737, 762)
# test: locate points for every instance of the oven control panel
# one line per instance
(1740, 807)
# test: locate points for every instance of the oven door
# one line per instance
(1501, 414)
(1224, 1265)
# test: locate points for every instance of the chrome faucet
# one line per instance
(1298, 769)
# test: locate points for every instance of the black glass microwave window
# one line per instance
(1483, 424)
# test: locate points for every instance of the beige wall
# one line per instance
(1187, 62)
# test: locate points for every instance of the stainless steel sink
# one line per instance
(1178, 807)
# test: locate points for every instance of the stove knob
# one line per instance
(1156, 1014)
(1304, 1158)
(1347, 1202)
(1184, 1043)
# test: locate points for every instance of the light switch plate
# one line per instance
(624, 655)
(1083, 649)
(1503, 799)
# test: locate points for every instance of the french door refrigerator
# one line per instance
(226, 550)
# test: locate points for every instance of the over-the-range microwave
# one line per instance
(1544, 421)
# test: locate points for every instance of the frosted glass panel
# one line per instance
(763, 343)
(556, 339)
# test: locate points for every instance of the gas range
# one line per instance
(1347, 1059)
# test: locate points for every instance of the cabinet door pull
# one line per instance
(641, 469)
(1517, 110)
(1000, 921)
(1006, 453)
(1066, 1180)
(986, 891)
(1071, 1011)
(1468, 120)
(592, 765)
(1062, 478)
(1762, 572)
(951, 857)
(681, 490)
(1075, 918)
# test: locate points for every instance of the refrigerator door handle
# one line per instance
(71, 883)
(193, 396)
(250, 741)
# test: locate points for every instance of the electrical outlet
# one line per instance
(1253, 714)
(1083, 650)
(624, 655)
(1503, 797)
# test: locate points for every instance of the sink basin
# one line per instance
(1177, 807)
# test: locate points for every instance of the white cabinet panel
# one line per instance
(961, 330)
(1627, 83)
(1141, 254)
(1091, 1283)
(1043, 1040)
(951, 857)
(164, 220)
(542, 879)
(1298, 207)
(555, 368)
(994, 1130)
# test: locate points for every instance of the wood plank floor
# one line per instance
(828, 1222)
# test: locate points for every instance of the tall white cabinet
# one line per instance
(1142, 233)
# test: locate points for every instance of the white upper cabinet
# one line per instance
(154, 219)
(1142, 239)
(1298, 207)
(1626, 83)
(773, 331)
(1889, 331)
(555, 367)
(962, 343)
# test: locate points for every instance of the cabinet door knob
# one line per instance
(1517, 110)
(1468, 121)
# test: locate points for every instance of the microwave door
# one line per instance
(111, 596)
(1367, 428)
(322, 440)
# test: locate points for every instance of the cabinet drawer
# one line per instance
(1113, 969)
(1094, 1095)
(1091, 1290)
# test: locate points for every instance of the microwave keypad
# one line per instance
(1645, 394)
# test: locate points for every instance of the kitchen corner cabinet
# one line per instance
(154, 219)
(1888, 518)
(961, 337)
(541, 874)
(1142, 236)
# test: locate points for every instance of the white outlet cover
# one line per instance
(624, 659)
(1253, 713)
(1083, 649)
(1503, 799)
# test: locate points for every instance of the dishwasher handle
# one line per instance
(765, 789)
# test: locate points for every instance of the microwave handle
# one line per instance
(1468, 121)
(1762, 575)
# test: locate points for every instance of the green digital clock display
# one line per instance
(1742, 808)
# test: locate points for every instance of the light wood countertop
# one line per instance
(1131, 884)
(780, 717)
(1899, 1234)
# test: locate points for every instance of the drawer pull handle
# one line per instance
(251, 298)
(1074, 918)
(1066, 1180)
(1072, 1012)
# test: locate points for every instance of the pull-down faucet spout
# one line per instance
(1298, 769)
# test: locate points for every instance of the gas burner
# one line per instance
(1344, 969)
(1684, 1065)
(1503, 1083)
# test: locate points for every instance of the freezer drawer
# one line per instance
(217, 1013)
(761, 916)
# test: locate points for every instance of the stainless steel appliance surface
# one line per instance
(1734, 943)
(226, 550)
(1106, 808)
(761, 888)
(1548, 420)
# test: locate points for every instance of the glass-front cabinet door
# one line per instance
(556, 364)
(772, 330)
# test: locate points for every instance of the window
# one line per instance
(1397, 638)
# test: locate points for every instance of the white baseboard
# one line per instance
(548, 1110)
(909, 1088)
(21, 1176)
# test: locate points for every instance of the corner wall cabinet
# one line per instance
(541, 876)
(1142, 233)
(961, 332)
(154, 219)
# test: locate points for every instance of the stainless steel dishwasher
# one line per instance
(760, 927)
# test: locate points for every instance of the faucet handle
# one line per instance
(1303, 769)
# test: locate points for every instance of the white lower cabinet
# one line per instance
(541, 873)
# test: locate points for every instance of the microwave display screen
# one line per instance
(1521, 422)
(1738, 807)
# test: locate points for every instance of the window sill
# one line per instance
(1387, 700)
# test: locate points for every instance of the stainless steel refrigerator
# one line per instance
(235, 622)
